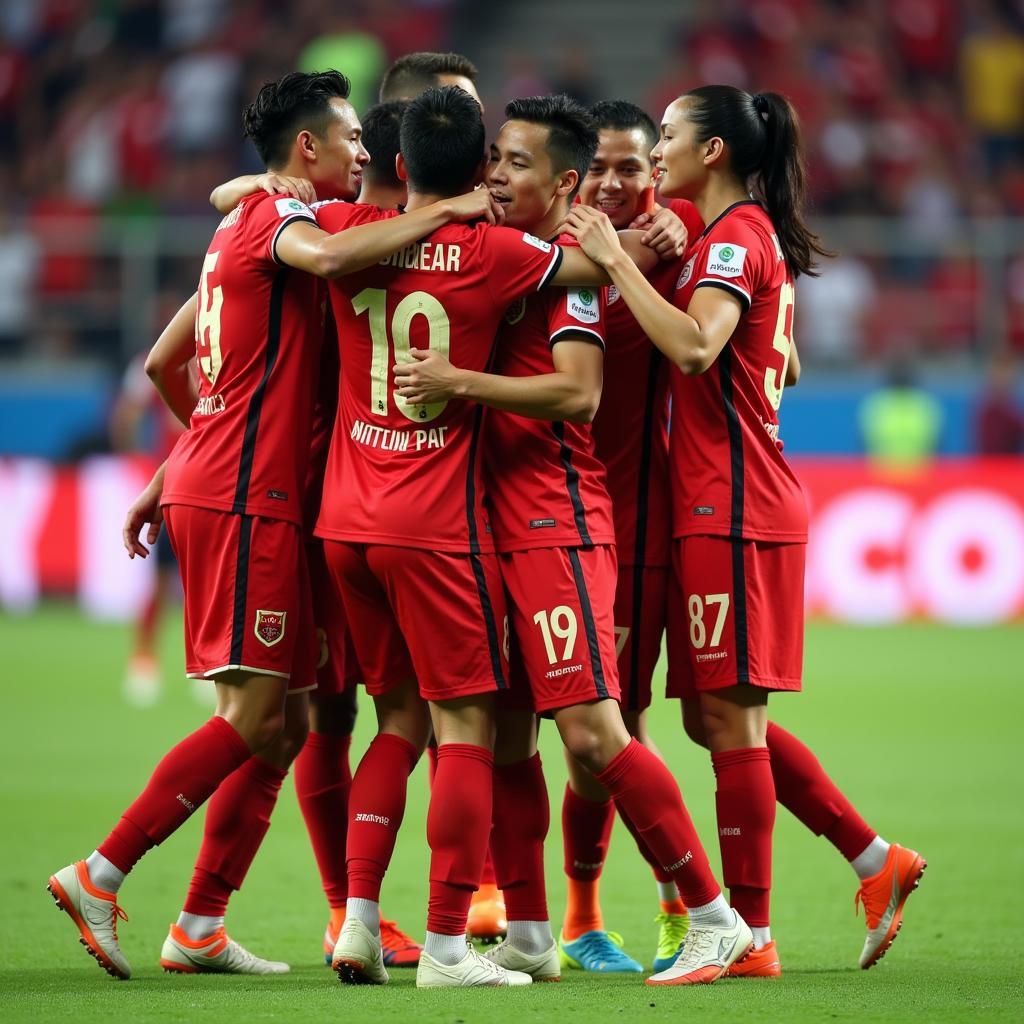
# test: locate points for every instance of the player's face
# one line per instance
(618, 175)
(520, 176)
(463, 83)
(677, 157)
(341, 156)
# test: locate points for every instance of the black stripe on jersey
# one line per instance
(241, 589)
(739, 610)
(493, 643)
(727, 211)
(283, 225)
(572, 484)
(556, 262)
(589, 626)
(584, 334)
(252, 416)
(642, 512)
(732, 289)
(732, 421)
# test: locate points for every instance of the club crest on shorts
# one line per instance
(269, 627)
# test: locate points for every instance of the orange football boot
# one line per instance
(487, 920)
(758, 963)
(399, 949)
(883, 896)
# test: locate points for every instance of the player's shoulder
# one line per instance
(746, 219)
(261, 205)
(333, 214)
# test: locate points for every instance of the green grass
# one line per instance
(920, 724)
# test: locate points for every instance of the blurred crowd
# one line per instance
(913, 112)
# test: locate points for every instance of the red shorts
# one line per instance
(561, 603)
(337, 669)
(247, 597)
(428, 615)
(641, 611)
(736, 615)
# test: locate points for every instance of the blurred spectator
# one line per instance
(574, 76)
(201, 91)
(900, 422)
(832, 309)
(999, 416)
(19, 265)
(346, 47)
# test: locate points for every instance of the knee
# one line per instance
(693, 723)
(586, 745)
(290, 741)
(265, 731)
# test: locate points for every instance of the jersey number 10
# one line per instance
(374, 302)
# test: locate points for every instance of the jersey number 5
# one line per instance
(208, 321)
(774, 381)
(374, 302)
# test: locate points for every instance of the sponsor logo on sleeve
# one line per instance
(613, 295)
(581, 304)
(686, 274)
(726, 260)
(289, 207)
(537, 243)
(269, 627)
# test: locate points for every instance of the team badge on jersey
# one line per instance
(726, 260)
(269, 627)
(686, 274)
(581, 304)
(288, 207)
(516, 311)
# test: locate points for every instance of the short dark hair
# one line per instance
(443, 140)
(572, 137)
(299, 101)
(620, 116)
(412, 74)
(382, 139)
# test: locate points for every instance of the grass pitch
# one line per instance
(920, 724)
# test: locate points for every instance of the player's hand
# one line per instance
(428, 378)
(282, 184)
(145, 509)
(666, 234)
(595, 233)
(474, 206)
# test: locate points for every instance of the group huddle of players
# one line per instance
(477, 442)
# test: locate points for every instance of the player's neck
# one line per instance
(717, 196)
(383, 196)
(417, 200)
(548, 227)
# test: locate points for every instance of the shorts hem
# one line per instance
(301, 689)
(464, 690)
(435, 546)
(208, 673)
(772, 685)
(571, 700)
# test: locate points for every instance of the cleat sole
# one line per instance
(351, 972)
(85, 935)
(897, 921)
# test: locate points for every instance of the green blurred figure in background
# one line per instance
(900, 422)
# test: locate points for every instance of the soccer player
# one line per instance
(382, 126)
(231, 493)
(630, 434)
(413, 74)
(553, 528)
(740, 520)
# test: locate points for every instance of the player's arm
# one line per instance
(224, 198)
(572, 392)
(793, 366)
(169, 363)
(691, 339)
(578, 270)
(305, 246)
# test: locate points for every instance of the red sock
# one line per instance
(803, 788)
(458, 825)
(180, 783)
(745, 800)
(586, 831)
(517, 838)
(323, 781)
(645, 792)
(376, 807)
(237, 819)
(660, 874)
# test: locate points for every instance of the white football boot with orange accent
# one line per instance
(762, 962)
(707, 953)
(884, 896)
(95, 913)
(214, 954)
(358, 956)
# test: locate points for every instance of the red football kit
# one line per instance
(234, 483)
(552, 516)
(403, 477)
(740, 519)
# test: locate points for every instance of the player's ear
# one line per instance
(713, 150)
(400, 168)
(306, 143)
(567, 182)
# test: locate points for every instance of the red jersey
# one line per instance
(410, 475)
(631, 429)
(259, 328)
(325, 408)
(545, 486)
(729, 477)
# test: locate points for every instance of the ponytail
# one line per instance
(763, 136)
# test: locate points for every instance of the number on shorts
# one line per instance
(561, 623)
(621, 639)
(374, 301)
(698, 634)
(774, 381)
(208, 321)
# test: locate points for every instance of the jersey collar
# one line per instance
(727, 211)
